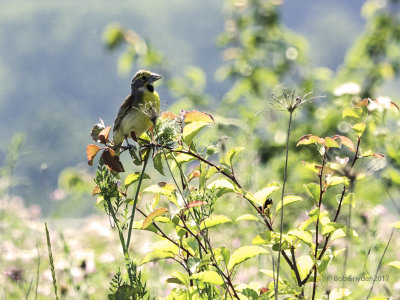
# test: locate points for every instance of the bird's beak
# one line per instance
(154, 77)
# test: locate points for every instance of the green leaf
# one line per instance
(214, 220)
(211, 277)
(191, 130)
(157, 161)
(263, 238)
(396, 225)
(305, 224)
(339, 293)
(287, 200)
(227, 159)
(325, 261)
(224, 186)
(197, 116)
(244, 253)
(179, 278)
(309, 139)
(262, 195)
(330, 143)
(165, 246)
(359, 128)
(247, 217)
(313, 167)
(342, 232)
(226, 254)
(331, 227)
(132, 178)
(181, 158)
(304, 263)
(149, 219)
(156, 255)
(313, 190)
(395, 263)
(349, 199)
(271, 274)
(305, 236)
(335, 180)
(138, 225)
(351, 112)
(346, 141)
(162, 188)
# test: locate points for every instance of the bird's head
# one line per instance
(144, 79)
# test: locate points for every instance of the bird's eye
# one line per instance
(144, 78)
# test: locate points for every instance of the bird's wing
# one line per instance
(123, 111)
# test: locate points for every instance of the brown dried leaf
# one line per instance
(91, 151)
(103, 135)
(96, 190)
(345, 141)
(168, 116)
(379, 155)
(363, 102)
(112, 161)
(197, 116)
(394, 106)
(310, 139)
(196, 203)
(156, 213)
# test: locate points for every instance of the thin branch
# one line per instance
(136, 199)
(282, 195)
(380, 263)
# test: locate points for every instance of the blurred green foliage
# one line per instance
(54, 103)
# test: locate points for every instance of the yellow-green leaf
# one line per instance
(156, 255)
(349, 199)
(309, 139)
(313, 190)
(330, 227)
(224, 186)
(396, 225)
(191, 130)
(214, 220)
(149, 219)
(351, 112)
(342, 232)
(305, 236)
(179, 278)
(181, 159)
(211, 277)
(287, 200)
(339, 293)
(395, 264)
(359, 128)
(197, 116)
(330, 143)
(271, 274)
(262, 195)
(244, 253)
(162, 188)
(227, 159)
(304, 264)
(335, 180)
(247, 217)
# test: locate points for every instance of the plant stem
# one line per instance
(321, 192)
(136, 199)
(53, 272)
(282, 195)
(380, 263)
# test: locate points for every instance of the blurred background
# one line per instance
(58, 78)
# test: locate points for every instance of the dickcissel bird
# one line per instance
(139, 110)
